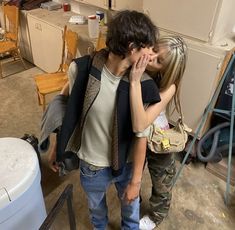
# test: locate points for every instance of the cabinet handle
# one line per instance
(38, 26)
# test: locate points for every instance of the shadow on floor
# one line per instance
(11, 66)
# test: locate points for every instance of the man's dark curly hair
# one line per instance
(130, 27)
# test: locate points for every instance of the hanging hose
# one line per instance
(216, 132)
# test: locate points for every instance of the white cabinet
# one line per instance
(46, 32)
(206, 26)
(206, 20)
(46, 43)
(130, 4)
(199, 81)
(24, 38)
(115, 4)
(99, 3)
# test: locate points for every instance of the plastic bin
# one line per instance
(21, 201)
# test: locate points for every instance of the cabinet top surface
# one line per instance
(219, 47)
(59, 18)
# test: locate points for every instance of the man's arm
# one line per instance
(139, 154)
(66, 90)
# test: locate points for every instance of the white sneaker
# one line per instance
(146, 223)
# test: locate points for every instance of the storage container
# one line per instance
(21, 201)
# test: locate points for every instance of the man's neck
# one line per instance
(116, 65)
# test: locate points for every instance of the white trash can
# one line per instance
(21, 201)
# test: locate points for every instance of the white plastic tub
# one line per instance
(21, 201)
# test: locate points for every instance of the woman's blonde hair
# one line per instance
(174, 66)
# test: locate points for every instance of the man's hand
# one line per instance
(52, 158)
(131, 192)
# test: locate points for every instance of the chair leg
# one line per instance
(42, 100)
(19, 55)
(43, 103)
(39, 97)
(1, 70)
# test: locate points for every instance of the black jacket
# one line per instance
(84, 93)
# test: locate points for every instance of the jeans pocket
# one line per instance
(88, 170)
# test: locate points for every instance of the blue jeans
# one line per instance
(95, 183)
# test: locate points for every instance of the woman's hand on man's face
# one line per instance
(138, 68)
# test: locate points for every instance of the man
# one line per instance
(97, 124)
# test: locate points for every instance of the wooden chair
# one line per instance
(9, 45)
(52, 82)
(101, 41)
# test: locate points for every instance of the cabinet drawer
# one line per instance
(46, 42)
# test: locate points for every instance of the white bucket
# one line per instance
(21, 201)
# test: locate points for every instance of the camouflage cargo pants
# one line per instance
(162, 170)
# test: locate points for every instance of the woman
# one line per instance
(166, 67)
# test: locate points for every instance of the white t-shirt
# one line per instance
(161, 122)
(97, 131)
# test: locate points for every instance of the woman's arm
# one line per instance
(142, 118)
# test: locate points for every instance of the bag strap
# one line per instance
(181, 119)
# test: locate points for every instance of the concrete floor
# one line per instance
(197, 197)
